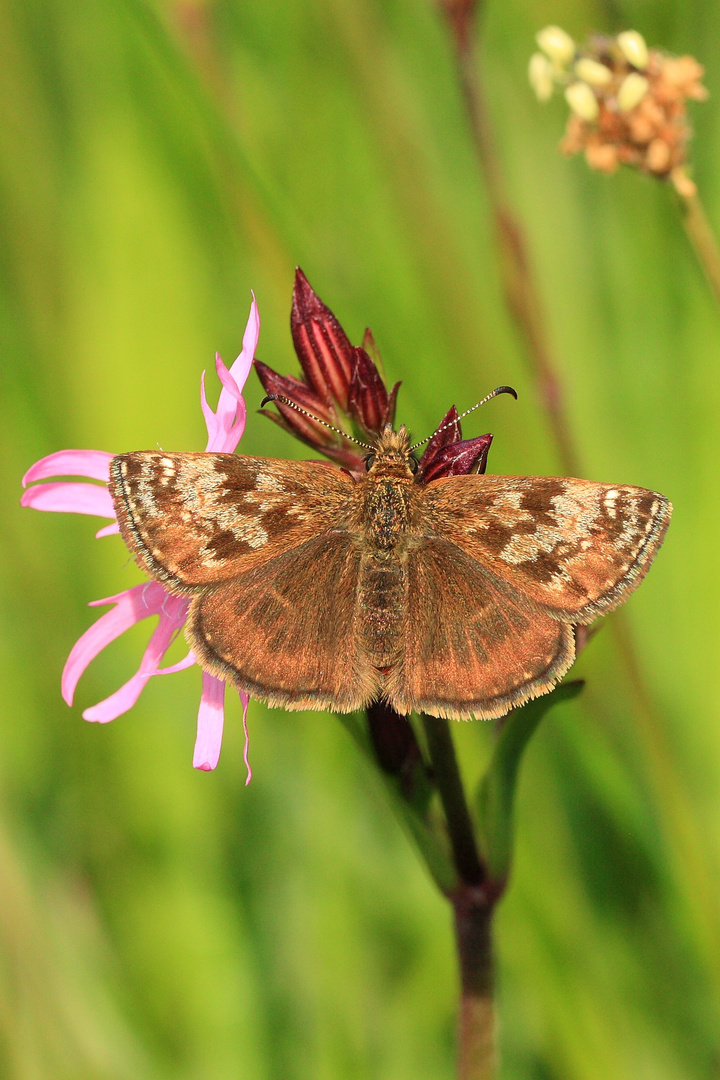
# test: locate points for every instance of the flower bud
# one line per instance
(556, 44)
(632, 46)
(592, 72)
(582, 101)
(540, 74)
(632, 90)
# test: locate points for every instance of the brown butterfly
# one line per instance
(316, 589)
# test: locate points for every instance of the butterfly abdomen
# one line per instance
(382, 589)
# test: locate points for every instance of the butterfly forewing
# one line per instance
(574, 547)
(194, 520)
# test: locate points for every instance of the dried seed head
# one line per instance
(628, 103)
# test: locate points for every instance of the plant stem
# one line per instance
(446, 775)
(476, 1022)
(702, 238)
(524, 302)
(473, 905)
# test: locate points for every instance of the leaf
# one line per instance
(410, 803)
(496, 794)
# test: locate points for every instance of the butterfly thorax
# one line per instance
(389, 487)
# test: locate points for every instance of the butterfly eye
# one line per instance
(370, 461)
(412, 463)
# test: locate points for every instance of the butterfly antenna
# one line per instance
(303, 412)
(494, 393)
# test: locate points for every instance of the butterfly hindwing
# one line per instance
(287, 634)
(474, 647)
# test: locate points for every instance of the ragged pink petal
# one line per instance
(226, 379)
(225, 427)
(188, 661)
(229, 422)
(172, 617)
(130, 607)
(108, 530)
(209, 415)
(245, 701)
(211, 717)
(241, 368)
(91, 463)
(70, 497)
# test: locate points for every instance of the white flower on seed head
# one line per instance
(632, 46)
(592, 72)
(632, 90)
(556, 44)
(540, 74)
(582, 101)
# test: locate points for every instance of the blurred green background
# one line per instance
(157, 161)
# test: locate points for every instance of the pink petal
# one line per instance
(172, 617)
(245, 701)
(241, 368)
(228, 424)
(226, 427)
(211, 716)
(234, 435)
(186, 662)
(68, 496)
(108, 530)
(149, 596)
(91, 463)
(210, 419)
(226, 379)
(221, 425)
(231, 420)
(130, 607)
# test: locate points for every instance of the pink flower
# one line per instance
(225, 427)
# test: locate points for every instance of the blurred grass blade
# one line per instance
(496, 794)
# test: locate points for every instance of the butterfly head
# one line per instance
(391, 454)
